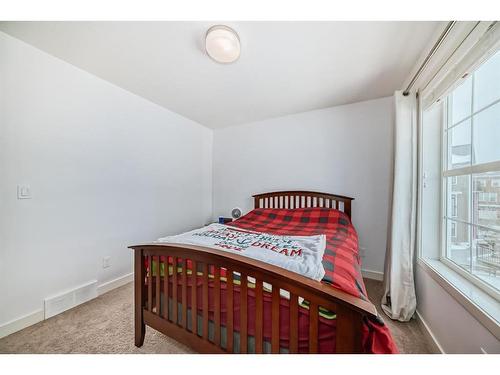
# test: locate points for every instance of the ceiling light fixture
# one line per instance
(222, 44)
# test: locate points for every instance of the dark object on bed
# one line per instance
(193, 329)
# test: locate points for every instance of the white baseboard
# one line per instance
(21, 323)
(431, 339)
(374, 275)
(116, 283)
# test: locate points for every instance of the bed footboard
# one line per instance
(183, 312)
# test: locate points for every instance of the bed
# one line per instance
(216, 301)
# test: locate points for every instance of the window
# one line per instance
(471, 176)
(453, 229)
(454, 205)
(487, 197)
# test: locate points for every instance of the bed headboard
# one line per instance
(303, 199)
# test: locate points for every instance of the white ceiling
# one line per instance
(284, 68)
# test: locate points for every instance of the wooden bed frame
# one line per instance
(150, 291)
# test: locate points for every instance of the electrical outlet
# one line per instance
(106, 262)
(362, 251)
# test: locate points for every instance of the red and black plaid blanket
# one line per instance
(341, 259)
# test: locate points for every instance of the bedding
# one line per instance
(341, 259)
(341, 263)
(299, 254)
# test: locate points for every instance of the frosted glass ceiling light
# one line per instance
(222, 44)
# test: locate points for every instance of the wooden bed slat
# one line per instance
(165, 288)
(313, 327)
(158, 285)
(275, 320)
(150, 284)
(258, 316)
(184, 293)
(194, 293)
(229, 307)
(294, 324)
(243, 313)
(205, 301)
(217, 305)
(174, 291)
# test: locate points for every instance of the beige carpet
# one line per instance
(105, 325)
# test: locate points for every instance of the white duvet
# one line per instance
(300, 254)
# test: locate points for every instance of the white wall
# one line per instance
(345, 150)
(107, 169)
(454, 328)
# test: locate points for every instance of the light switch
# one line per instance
(23, 192)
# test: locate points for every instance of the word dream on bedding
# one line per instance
(240, 240)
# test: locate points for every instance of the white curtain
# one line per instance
(399, 301)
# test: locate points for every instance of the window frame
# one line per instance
(478, 42)
(454, 206)
(469, 170)
(453, 229)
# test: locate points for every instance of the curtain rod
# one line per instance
(433, 50)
